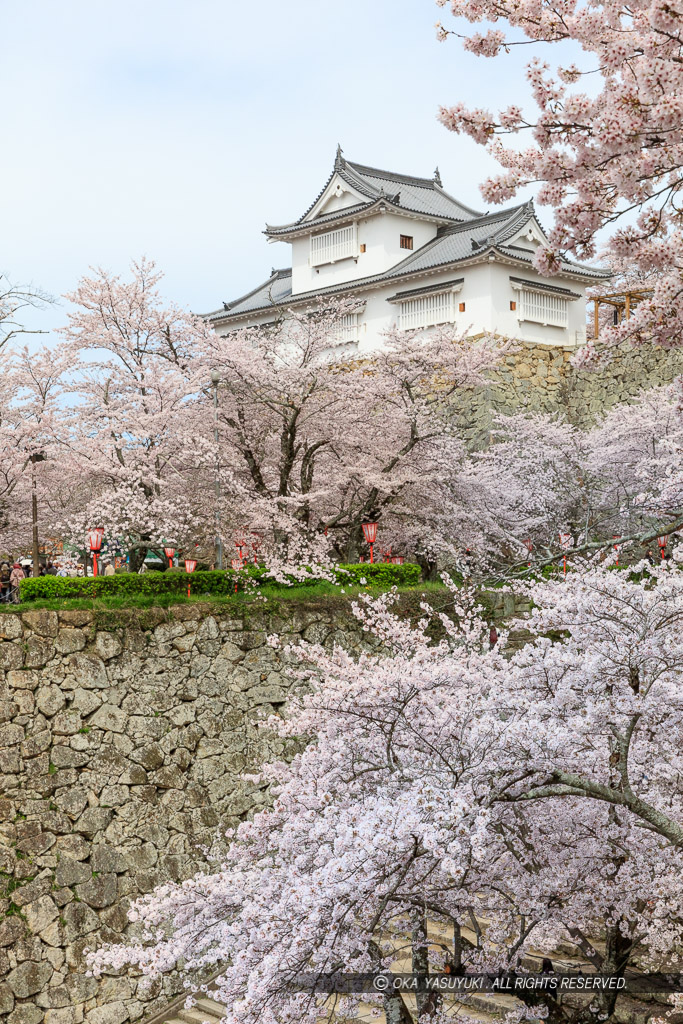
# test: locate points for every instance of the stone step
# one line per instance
(200, 1016)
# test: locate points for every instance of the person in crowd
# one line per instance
(16, 576)
(42, 570)
(5, 584)
(109, 569)
(80, 571)
(51, 569)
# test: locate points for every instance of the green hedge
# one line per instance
(45, 587)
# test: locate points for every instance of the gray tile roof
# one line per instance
(406, 192)
(475, 239)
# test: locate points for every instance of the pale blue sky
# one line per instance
(177, 129)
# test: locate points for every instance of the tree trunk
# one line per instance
(34, 516)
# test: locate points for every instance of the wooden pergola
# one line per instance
(621, 302)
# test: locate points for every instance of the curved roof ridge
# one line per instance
(275, 275)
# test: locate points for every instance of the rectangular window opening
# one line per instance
(427, 311)
(406, 241)
(543, 308)
(334, 245)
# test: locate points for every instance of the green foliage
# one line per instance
(155, 584)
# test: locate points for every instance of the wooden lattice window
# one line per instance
(406, 241)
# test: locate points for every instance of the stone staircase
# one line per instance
(205, 1011)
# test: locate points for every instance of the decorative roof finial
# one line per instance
(338, 160)
(437, 176)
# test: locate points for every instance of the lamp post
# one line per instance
(236, 564)
(529, 545)
(616, 549)
(662, 542)
(169, 552)
(241, 545)
(215, 378)
(95, 542)
(370, 534)
(256, 544)
(565, 542)
(190, 566)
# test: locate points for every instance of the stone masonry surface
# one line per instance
(122, 743)
(541, 378)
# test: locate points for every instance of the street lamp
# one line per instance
(236, 564)
(615, 536)
(95, 541)
(190, 566)
(565, 544)
(370, 534)
(662, 542)
(215, 378)
(169, 552)
(256, 544)
(241, 545)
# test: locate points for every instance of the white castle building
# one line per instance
(414, 256)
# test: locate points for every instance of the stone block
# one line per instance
(98, 892)
(41, 621)
(6, 998)
(150, 756)
(113, 1013)
(11, 930)
(10, 627)
(75, 617)
(40, 913)
(93, 820)
(74, 846)
(79, 920)
(72, 801)
(72, 872)
(114, 796)
(109, 718)
(25, 1014)
(105, 858)
(67, 723)
(68, 641)
(35, 846)
(36, 744)
(87, 672)
(10, 761)
(66, 1015)
(29, 978)
(11, 656)
(39, 651)
(64, 757)
(50, 700)
(29, 680)
(108, 645)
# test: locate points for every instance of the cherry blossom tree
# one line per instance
(621, 481)
(456, 809)
(605, 145)
(31, 388)
(316, 438)
(132, 448)
(14, 299)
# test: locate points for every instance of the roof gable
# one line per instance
(353, 186)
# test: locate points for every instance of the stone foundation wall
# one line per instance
(122, 744)
(541, 378)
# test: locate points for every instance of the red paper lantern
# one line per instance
(169, 552)
(95, 541)
(190, 566)
(370, 532)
